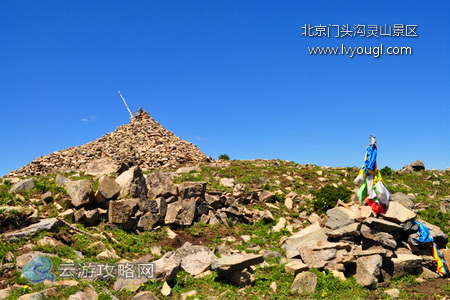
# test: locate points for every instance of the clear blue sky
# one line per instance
(232, 77)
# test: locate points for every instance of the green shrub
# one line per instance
(327, 197)
(224, 157)
(386, 172)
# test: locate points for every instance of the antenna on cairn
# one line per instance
(125, 102)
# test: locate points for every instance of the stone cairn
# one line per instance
(142, 142)
(352, 240)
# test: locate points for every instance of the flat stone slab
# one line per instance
(383, 225)
(314, 233)
(46, 224)
(340, 217)
(236, 262)
(398, 213)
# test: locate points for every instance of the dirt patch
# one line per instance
(430, 289)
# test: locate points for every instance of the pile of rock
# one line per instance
(413, 167)
(133, 200)
(352, 240)
(143, 142)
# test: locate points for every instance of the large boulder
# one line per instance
(236, 262)
(43, 225)
(80, 192)
(181, 212)
(192, 189)
(311, 233)
(402, 199)
(132, 183)
(398, 213)
(340, 217)
(318, 254)
(194, 259)
(368, 270)
(23, 185)
(304, 283)
(160, 184)
(120, 211)
(383, 238)
(108, 189)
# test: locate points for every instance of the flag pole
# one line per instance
(124, 102)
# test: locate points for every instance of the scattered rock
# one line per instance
(194, 259)
(188, 170)
(402, 199)
(265, 196)
(280, 225)
(242, 277)
(132, 183)
(144, 295)
(295, 266)
(192, 189)
(304, 283)
(108, 189)
(46, 224)
(398, 213)
(160, 184)
(227, 182)
(23, 185)
(235, 262)
(166, 290)
(368, 269)
(80, 192)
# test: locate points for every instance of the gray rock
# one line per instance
(239, 190)
(393, 293)
(403, 200)
(240, 278)
(192, 189)
(46, 224)
(160, 184)
(132, 183)
(108, 189)
(194, 259)
(227, 182)
(418, 165)
(181, 212)
(236, 262)
(398, 213)
(368, 269)
(86, 217)
(101, 166)
(383, 238)
(47, 197)
(304, 283)
(340, 217)
(80, 192)
(405, 264)
(348, 230)
(311, 233)
(445, 205)
(215, 201)
(23, 185)
(295, 266)
(61, 180)
(318, 254)
(383, 225)
(167, 267)
(148, 221)
(265, 196)
(120, 211)
(188, 170)
(270, 254)
(86, 294)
